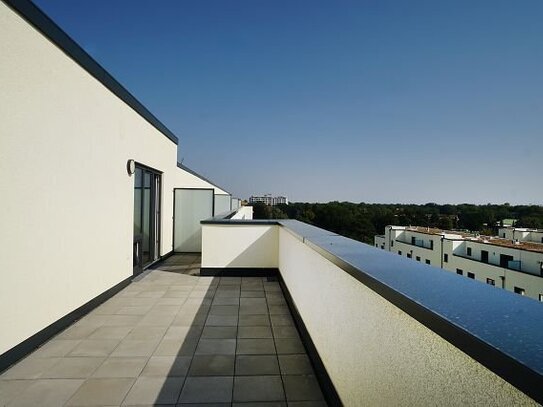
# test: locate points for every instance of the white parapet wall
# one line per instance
(239, 246)
(374, 353)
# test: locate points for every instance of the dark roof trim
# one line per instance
(187, 169)
(31, 13)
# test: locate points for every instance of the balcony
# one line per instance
(172, 337)
(290, 314)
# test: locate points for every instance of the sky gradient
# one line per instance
(374, 101)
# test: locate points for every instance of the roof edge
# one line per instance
(43, 23)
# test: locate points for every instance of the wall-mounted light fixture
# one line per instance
(131, 167)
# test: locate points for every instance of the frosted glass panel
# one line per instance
(222, 204)
(191, 206)
(235, 203)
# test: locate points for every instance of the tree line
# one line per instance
(362, 221)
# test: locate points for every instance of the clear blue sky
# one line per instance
(375, 101)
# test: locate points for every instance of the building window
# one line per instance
(484, 256)
(460, 272)
(520, 291)
(471, 275)
(376, 245)
(489, 281)
(409, 255)
(392, 243)
(400, 252)
(540, 297)
(469, 251)
(427, 261)
(418, 258)
(446, 258)
(503, 235)
(383, 247)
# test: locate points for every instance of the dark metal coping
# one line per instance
(501, 330)
(190, 171)
(37, 18)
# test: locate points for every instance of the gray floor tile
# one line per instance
(154, 390)
(95, 347)
(252, 294)
(225, 301)
(279, 310)
(219, 332)
(162, 366)
(249, 301)
(285, 331)
(183, 332)
(207, 390)
(289, 346)
(73, 368)
(77, 332)
(176, 347)
(47, 392)
(295, 364)
(314, 403)
(261, 309)
(30, 368)
(261, 404)
(146, 333)
(258, 388)
(101, 392)
(9, 389)
(255, 347)
(254, 320)
(212, 365)
(121, 367)
(281, 320)
(110, 332)
(129, 347)
(216, 347)
(247, 332)
(56, 348)
(222, 320)
(301, 388)
(224, 310)
(256, 365)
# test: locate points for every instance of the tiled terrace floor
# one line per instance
(173, 338)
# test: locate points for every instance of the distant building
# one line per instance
(268, 199)
(513, 261)
(521, 234)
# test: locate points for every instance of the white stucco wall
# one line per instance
(375, 354)
(67, 200)
(239, 246)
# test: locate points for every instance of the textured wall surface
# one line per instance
(375, 353)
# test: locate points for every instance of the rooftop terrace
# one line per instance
(172, 338)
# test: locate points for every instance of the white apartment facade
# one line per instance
(521, 234)
(268, 199)
(514, 265)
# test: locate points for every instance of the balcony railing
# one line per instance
(383, 329)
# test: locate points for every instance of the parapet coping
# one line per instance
(501, 330)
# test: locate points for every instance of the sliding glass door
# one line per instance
(146, 217)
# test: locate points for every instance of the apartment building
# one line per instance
(512, 264)
(521, 234)
(268, 199)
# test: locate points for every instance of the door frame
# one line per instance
(155, 220)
